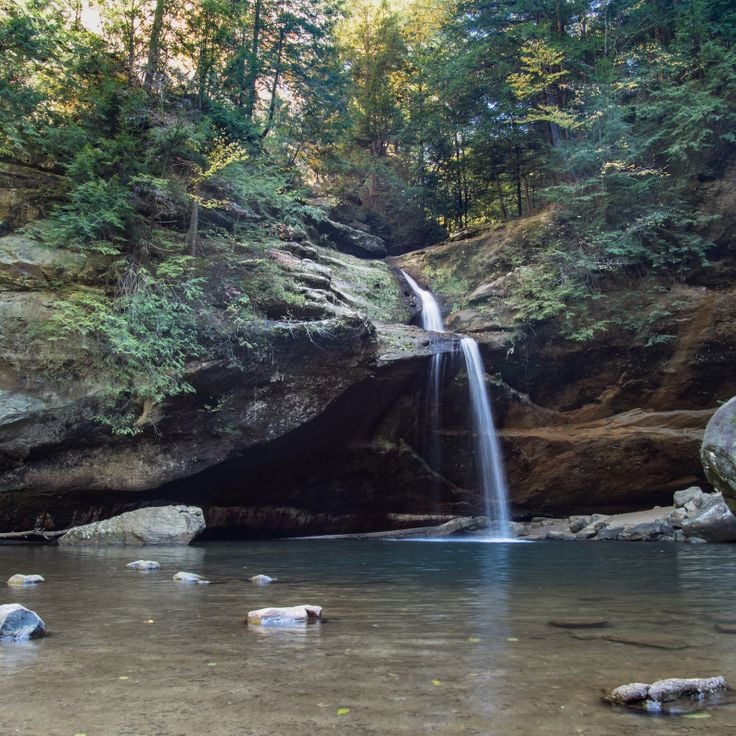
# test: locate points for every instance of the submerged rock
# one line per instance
(155, 525)
(20, 579)
(190, 577)
(579, 623)
(290, 615)
(19, 622)
(149, 565)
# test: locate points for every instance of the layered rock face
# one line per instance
(610, 423)
(313, 421)
(277, 406)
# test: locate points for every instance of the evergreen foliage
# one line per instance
(168, 123)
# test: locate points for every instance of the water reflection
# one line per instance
(452, 638)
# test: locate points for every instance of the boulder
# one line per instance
(155, 525)
(190, 577)
(578, 523)
(148, 565)
(715, 524)
(646, 532)
(303, 614)
(20, 579)
(718, 452)
(682, 498)
(19, 622)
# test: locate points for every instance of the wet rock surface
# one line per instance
(290, 615)
(18, 622)
(19, 579)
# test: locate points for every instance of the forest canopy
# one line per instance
(164, 123)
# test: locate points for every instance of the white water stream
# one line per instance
(489, 461)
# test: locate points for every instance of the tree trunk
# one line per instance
(276, 79)
(250, 98)
(154, 45)
(193, 231)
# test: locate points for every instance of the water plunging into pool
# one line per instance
(489, 461)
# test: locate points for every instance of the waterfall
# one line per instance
(488, 450)
(431, 320)
(488, 457)
(431, 314)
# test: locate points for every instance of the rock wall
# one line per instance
(313, 421)
(608, 424)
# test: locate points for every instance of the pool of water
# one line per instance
(449, 638)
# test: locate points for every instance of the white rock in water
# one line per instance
(144, 565)
(19, 622)
(153, 525)
(289, 615)
(25, 579)
(190, 577)
(262, 580)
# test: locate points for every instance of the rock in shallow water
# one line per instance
(262, 580)
(667, 690)
(302, 614)
(158, 525)
(148, 565)
(190, 577)
(579, 623)
(20, 579)
(18, 622)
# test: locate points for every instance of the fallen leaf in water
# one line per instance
(343, 711)
(123, 677)
(512, 638)
(436, 683)
(473, 639)
(212, 664)
(148, 621)
(697, 715)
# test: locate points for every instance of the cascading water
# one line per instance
(431, 320)
(489, 459)
(488, 452)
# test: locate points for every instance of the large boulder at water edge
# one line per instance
(157, 525)
(19, 622)
(718, 452)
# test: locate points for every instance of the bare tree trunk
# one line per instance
(250, 99)
(154, 45)
(276, 79)
(193, 231)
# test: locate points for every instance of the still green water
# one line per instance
(420, 638)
